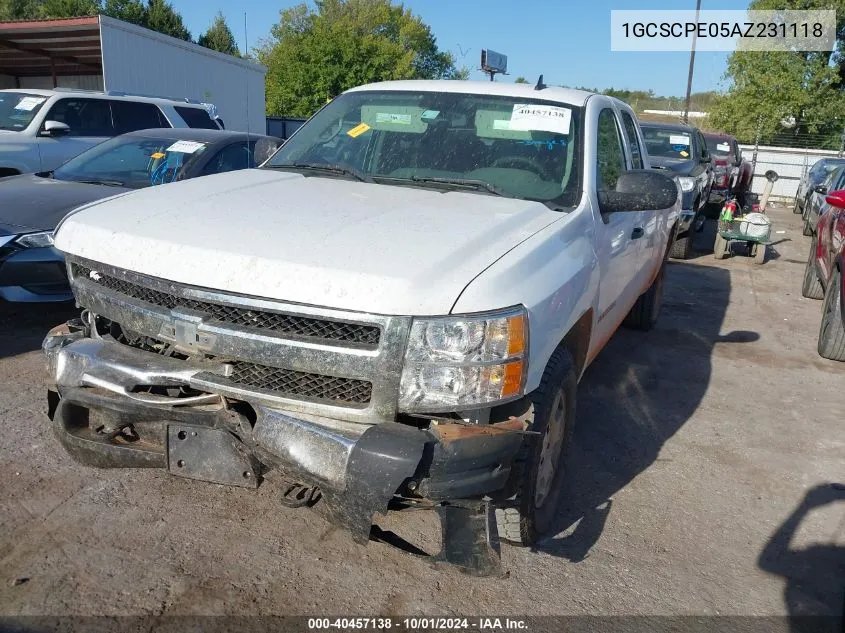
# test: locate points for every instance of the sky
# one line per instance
(568, 41)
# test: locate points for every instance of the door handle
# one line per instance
(637, 233)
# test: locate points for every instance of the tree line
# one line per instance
(157, 15)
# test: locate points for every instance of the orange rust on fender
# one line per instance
(448, 433)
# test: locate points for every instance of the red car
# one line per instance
(823, 276)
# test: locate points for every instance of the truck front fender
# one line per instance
(554, 274)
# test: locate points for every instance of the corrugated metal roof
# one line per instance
(33, 48)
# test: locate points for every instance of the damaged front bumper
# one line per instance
(114, 406)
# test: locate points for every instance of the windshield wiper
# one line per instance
(346, 170)
(107, 183)
(478, 185)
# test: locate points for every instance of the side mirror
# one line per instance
(836, 198)
(639, 190)
(822, 189)
(56, 128)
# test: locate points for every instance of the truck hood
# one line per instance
(31, 203)
(319, 241)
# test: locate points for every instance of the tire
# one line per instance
(720, 247)
(832, 331)
(807, 230)
(796, 208)
(643, 316)
(811, 288)
(519, 519)
(682, 247)
(760, 253)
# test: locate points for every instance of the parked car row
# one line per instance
(31, 205)
(826, 175)
(823, 275)
(709, 168)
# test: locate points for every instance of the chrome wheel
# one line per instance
(551, 450)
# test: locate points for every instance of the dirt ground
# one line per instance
(698, 485)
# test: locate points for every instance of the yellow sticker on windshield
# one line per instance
(684, 154)
(358, 130)
(158, 155)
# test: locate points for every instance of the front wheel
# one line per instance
(760, 253)
(808, 228)
(540, 465)
(811, 287)
(796, 208)
(682, 247)
(720, 247)
(832, 332)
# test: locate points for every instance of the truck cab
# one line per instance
(393, 312)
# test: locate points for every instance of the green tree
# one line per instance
(520, 80)
(69, 8)
(219, 37)
(162, 17)
(19, 9)
(768, 88)
(133, 11)
(316, 53)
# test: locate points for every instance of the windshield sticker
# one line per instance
(684, 153)
(430, 115)
(501, 124)
(540, 118)
(185, 147)
(391, 117)
(28, 104)
(358, 130)
(723, 147)
(679, 139)
(549, 145)
(158, 155)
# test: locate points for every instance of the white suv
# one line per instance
(42, 129)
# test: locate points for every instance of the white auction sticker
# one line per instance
(527, 117)
(723, 147)
(28, 104)
(390, 117)
(185, 147)
(678, 139)
(501, 124)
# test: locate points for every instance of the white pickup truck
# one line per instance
(394, 312)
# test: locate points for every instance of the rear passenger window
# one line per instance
(633, 140)
(130, 116)
(196, 117)
(231, 158)
(84, 117)
(611, 155)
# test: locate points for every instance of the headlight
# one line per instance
(687, 183)
(36, 240)
(464, 362)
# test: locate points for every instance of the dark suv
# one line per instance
(682, 150)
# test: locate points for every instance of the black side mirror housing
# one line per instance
(639, 190)
(822, 189)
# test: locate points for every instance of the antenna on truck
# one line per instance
(246, 81)
(540, 85)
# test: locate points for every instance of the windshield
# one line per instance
(719, 146)
(133, 161)
(17, 109)
(823, 168)
(521, 148)
(667, 143)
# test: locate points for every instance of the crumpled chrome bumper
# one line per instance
(104, 415)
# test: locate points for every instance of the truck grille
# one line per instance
(365, 335)
(299, 384)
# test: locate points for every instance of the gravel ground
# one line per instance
(693, 488)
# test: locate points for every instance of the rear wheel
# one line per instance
(540, 466)
(811, 287)
(796, 208)
(832, 332)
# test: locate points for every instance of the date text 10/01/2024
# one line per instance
(417, 624)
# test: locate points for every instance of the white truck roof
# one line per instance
(563, 95)
(124, 96)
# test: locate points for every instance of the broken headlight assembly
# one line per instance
(464, 362)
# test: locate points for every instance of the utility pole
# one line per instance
(691, 63)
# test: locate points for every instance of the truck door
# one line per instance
(618, 235)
